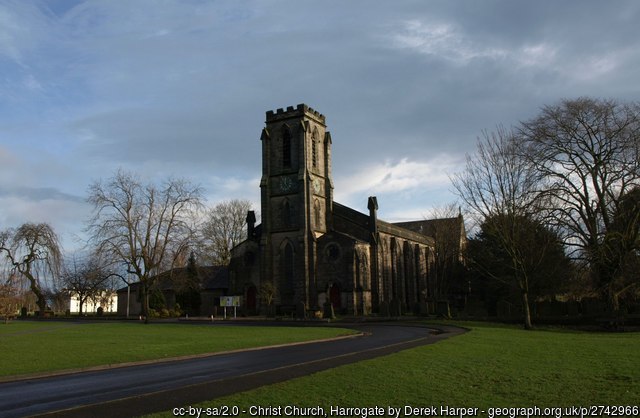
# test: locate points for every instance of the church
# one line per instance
(310, 250)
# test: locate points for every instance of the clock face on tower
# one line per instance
(317, 185)
(286, 184)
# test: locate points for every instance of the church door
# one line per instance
(251, 300)
(335, 296)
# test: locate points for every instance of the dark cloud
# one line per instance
(39, 194)
(181, 87)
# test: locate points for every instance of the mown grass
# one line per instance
(491, 366)
(33, 347)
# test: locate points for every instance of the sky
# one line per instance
(169, 88)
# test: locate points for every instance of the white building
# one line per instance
(106, 299)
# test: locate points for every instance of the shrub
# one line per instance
(156, 299)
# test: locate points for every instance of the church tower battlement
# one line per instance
(291, 112)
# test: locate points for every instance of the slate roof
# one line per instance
(209, 277)
(429, 227)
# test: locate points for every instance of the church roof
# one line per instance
(430, 227)
(209, 278)
(359, 225)
(346, 236)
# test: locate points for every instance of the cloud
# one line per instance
(406, 189)
(65, 216)
(441, 40)
(400, 176)
(38, 194)
(180, 88)
(536, 55)
(31, 83)
(227, 188)
(15, 33)
(30, 192)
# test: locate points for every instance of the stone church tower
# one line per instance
(296, 195)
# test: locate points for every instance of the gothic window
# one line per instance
(314, 148)
(288, 267)
(358, 273)
(316, 212)
(286, 148)
(314, 154)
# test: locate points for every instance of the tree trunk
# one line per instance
(145, 302)
(40, 301)
(526, 310)
(612, 300)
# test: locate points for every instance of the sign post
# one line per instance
(229, 301)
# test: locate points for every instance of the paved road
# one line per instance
(131, 391)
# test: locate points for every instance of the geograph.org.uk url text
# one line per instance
(409, 411)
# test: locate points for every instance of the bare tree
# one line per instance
(9, 300)
(588, 150)
(33, 252)
(224, 228)
(501, 189)
(267, 294)
(144, 226)
(85, 279)
(446, 227)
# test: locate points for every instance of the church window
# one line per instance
(314, 148)
(314, 154)
(332, 252)
(316, 212)
(288, 267)
(286, 148)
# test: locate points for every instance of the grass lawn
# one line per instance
(31, 347)
(491, 366)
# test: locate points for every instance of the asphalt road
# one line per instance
(135, 390)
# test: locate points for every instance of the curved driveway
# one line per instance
(135, 390)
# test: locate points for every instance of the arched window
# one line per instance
(316, 212)
(314, 148)
(286, 148)
(288, 267)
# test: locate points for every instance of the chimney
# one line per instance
(251, 222)
(372, 205)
